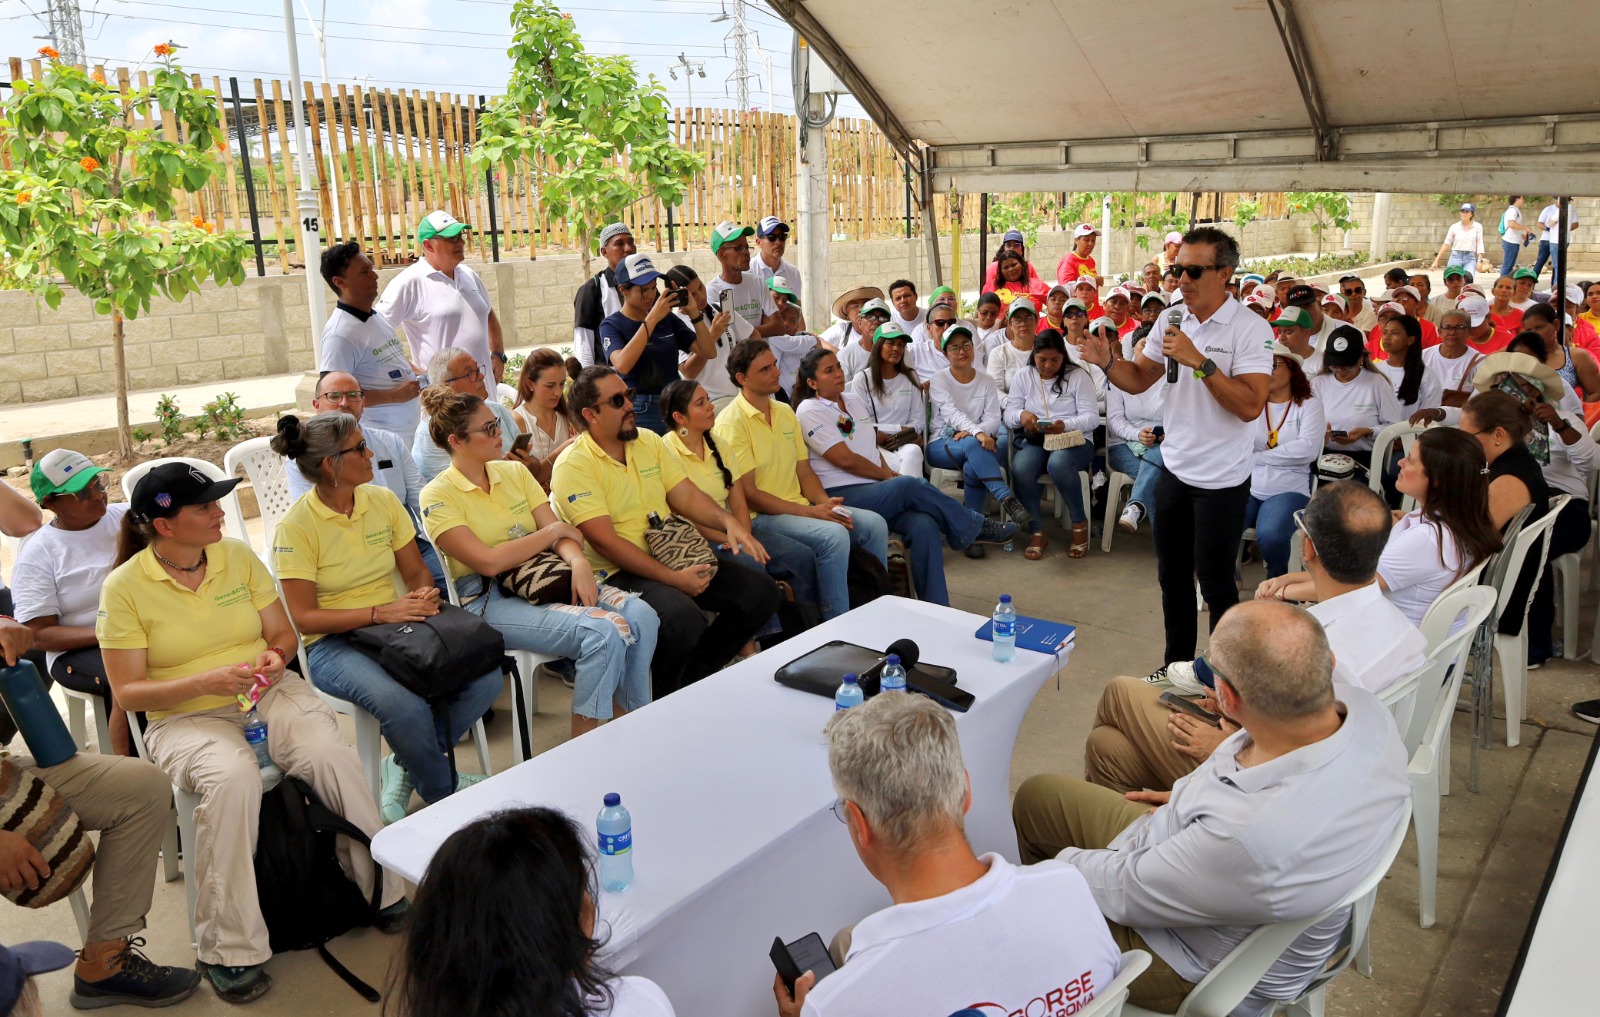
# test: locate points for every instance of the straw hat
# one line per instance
(1497, 364)
(859, 293)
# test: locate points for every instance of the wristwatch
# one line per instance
(1207, 368)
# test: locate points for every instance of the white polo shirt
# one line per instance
(823, 427)
(1374, 644)
(1206, 446)
(1414, 567)
(632, 996)
(1018, 940)
(786, 268)
(374, 354)
(438, 311)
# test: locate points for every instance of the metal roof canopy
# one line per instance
(1225, 95)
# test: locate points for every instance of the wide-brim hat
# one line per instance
(862, 293)
(1496, 364)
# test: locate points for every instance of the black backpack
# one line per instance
(305, 897)
(868, 579)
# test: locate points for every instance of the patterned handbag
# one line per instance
(36, 811)
(543, 579)
(1066, 439)
(676, 544)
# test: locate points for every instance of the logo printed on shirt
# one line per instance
(238, 595)
(380, 537)
(653, 470)
(1063, 1002)
(581, 494)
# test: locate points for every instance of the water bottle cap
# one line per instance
(613, 799)
(1005, 598)
(894, 658)
(851, 679)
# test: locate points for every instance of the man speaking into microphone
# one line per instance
(1217, 363)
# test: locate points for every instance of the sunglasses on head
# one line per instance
(1193, 271)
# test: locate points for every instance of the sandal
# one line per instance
(1036, 545)
(1080, 540)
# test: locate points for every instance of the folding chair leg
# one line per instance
(80, 914)
(1513, 654)
(482, 739)
(75, 722)
(1425, 822)
(169, 851)
(369, 746)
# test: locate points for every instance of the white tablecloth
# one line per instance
(1554, 978)
(727, 782)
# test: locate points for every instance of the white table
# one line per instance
(727, 782)
(1552, 971)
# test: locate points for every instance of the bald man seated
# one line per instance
(1281, 822)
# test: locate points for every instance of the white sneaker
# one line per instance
(1097, 481)
(1131, 517)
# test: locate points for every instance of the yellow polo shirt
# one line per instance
(187, 632)
(502, 513)
(703, 473)
(774, 449)
(586, 484)
(350, 558)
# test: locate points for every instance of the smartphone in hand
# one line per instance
(1173, 701)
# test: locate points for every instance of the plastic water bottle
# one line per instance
(255, 732)
(893, 678)
(849, 694)
(1005, 630)
(615, 827)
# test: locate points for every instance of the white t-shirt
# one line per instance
(60, 572)
(909, 324)
(1206, 446)
(633, 996)
(823, 427)
(1429, 393)
(972, 407)
(748, 299)
(987, 339)
(714, 375)
(900, 404)
(852, 357)
(1412, 566)
(790, 350)
(1515, 233)
(1550, 219)
(437, 311)
(1128, 414)
(393, 467)
(1018, 940)
(1451, 375)
(1465, 238)
(1367, 401)
(1004, 361)
(1286, 468)
(925, 357)
(1074, 405)
(375, 355)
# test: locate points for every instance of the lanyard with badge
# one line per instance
(1272, 429)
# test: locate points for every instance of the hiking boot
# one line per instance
(392, 918)
(1012, 506)
(396, 791)
(134, 980)
(995, 532)
(237, 985)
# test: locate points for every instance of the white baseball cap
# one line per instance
(636, 270)
(1172, 238)
(1337, 300)
(1476, 307)
(1120, 291)
(1084, 230)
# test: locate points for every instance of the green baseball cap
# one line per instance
(1524, 273)
(954, 330)
(933, 298)
(439, 224)
(1455, 270)
(723, 232)
(62, 471)
(890, 331)
(1293, 316)
(778, 284)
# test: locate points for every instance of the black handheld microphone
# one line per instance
(907, 650)
(1174, 319)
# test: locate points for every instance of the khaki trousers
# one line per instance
(205, 753)
(129, 801)
(1052, 813)
(1130, 748)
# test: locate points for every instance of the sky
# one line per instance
(442, 45)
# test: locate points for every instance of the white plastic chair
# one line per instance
(524, 688)
(1109, 1001)
(1567, 568)
(1427, 736)
(1227, 984)
(1400, 431)
(507, 394)
(268, 474)
(1512, 650)
(184, 802)
(1115, 485)
(233, 520)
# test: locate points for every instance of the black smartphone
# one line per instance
(1177, 702)
(1338, 434)
(1160, 433)
(808, 953)
(676, 296)
(522, 442)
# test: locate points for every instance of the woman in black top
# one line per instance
(1501, 424)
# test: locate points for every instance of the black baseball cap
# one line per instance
(169, 487)
(1344, 347)
(1301, 296)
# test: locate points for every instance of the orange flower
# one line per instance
(99, 77)
(197, 220)
(163, 49)
(89, 163)
(23, 197)
(49, 52)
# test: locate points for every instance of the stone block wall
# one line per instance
(1417, 224)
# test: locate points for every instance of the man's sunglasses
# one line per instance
(941, 322)
(1193, 271)
(621, 399)
(1356, 291)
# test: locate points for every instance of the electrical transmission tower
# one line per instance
(66, 30)
(739, 35)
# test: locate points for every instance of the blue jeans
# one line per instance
(647, 410)
(1030, 462)
(406, 719)
(1508, 260)
(1551, 253)
(1144, 473)
(979, 467)
(1273, 519)
(925, 516)
(1466, 259)
(829, 547)
(610, 667)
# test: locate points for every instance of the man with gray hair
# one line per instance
(597, 299)
(439, 301)
(1020, 934)
(1281, 822)
(460, 370)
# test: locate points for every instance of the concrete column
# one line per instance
(505, 281)
(1378, 245)
(275, 346)
(811, 199)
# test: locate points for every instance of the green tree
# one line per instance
(89, 200)
(1328, 209)
(1245, 212)
(1126, 213)
(1024, 212)
(609, 135)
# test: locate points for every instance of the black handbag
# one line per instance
(437, 656)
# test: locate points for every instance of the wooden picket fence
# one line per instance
(386, 157)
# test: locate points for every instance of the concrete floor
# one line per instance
(1495, 845)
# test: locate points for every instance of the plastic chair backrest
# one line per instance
(1109, 1000)
(1440, 681)
(1435, 624)
(507, 394)
(1227, 984)
(1400, 431)
(1520, 546)
(268, 474)
(233, 521)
